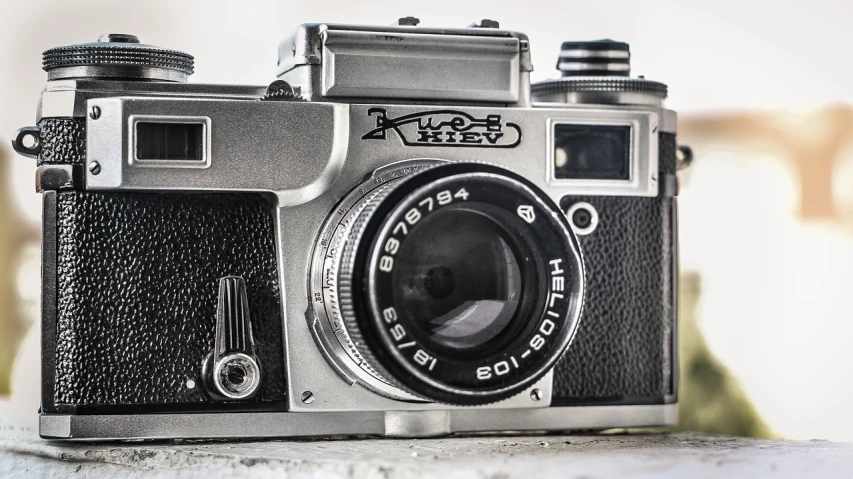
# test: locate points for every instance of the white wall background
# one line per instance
(777, 303)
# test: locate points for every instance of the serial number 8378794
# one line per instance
(392, 244)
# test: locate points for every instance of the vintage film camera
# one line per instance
(400, 236)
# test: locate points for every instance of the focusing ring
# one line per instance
(389, 344)
(600, 85)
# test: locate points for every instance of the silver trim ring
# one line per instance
(581, 53)
(593, 222)
(327, 324)
(573, 66)
(249, 385)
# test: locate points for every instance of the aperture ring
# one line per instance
(345, 247)
(367, 303)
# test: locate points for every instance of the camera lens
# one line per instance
(461, 283)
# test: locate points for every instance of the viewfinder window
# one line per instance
(595, 152)
(170, 141)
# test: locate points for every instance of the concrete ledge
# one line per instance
(280, 425)
(653, 455)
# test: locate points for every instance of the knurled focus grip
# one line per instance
(624, 351)
(137, 278)
(601, 85)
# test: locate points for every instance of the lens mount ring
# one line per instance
(325, 314)
(541, 330)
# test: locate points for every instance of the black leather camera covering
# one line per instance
(63, 141)
(625, 351)
(136, 284)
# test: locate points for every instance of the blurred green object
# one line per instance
(710, 399)
(13, 236)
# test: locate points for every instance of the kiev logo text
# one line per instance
(445, 128)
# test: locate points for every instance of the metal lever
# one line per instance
(231, 370)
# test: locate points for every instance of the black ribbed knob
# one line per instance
(118, 56)
(595, 58)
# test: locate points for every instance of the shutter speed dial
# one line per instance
(117, 56)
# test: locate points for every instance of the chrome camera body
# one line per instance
(400, 236)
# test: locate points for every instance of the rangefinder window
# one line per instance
(597, 152)
(170, 141)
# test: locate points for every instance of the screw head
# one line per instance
(536, 394)
(95, 113)
(94, 167)
(307, 397)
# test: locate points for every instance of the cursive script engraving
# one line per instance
(445, 128)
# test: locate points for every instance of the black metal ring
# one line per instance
(686, 156)
(600, 84)
(18, 143)
(547, 327)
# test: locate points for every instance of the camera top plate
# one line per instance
(447, 64)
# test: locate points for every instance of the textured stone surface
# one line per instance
(621, 456)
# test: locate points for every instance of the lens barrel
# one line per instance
(460, 284)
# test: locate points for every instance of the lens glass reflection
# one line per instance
(456, 279)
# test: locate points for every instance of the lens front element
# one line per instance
(461, 284)
(457, 281)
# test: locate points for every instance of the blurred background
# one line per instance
(765, 98)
